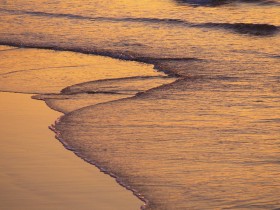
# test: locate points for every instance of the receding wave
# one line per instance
(127, 85)
(242, 28)
(85, 94)
(129, 56)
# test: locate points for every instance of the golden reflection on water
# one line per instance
(45, 71)
(208, 141)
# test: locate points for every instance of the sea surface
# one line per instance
(179, 100)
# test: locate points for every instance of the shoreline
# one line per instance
(42, 163)
(105, 67)
(101, 169)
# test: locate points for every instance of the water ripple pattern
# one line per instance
(187, 117)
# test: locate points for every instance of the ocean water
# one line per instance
(187, 112)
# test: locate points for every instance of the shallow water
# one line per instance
(209, 140)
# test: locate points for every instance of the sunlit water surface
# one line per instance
(204, 135)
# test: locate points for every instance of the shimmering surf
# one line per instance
(201, 132)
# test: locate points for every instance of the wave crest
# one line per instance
(246, 28)
(242, 28)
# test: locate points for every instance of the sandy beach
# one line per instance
(38, 173)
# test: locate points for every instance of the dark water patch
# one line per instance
(203, 2)
(163, 64)
(170, 59)
(51, 96)
(129, 44)
(245, 28)
(104, 92)
(216, 3)
(147, 20)
(275, 56)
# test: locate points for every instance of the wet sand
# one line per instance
(38, 173)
